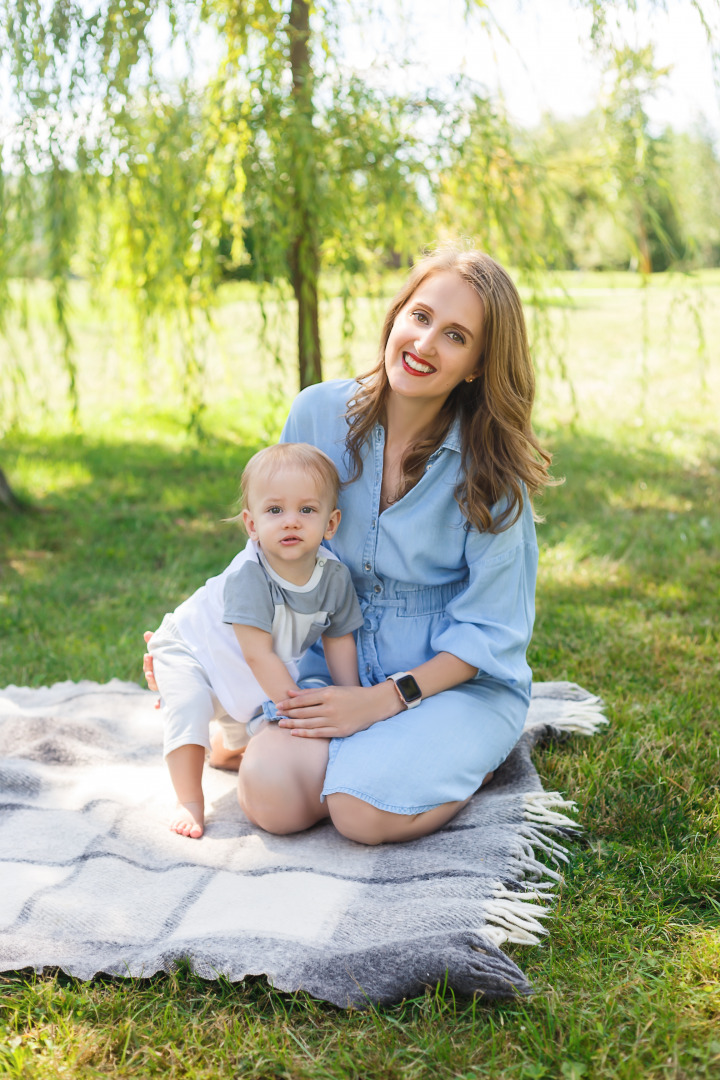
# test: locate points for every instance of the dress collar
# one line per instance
(453, 439)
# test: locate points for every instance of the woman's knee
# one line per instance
(279, 819)
(277, 793)
(265, 799)
(277, 816)
(358, 820)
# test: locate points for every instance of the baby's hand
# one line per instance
(148, 668)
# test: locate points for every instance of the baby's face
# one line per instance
(289, 515)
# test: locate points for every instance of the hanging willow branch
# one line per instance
(282, 163)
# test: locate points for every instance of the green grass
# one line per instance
(127, 520)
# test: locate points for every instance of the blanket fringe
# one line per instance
(538, 841)
(514, 915)
(539, 809)
(584, 717)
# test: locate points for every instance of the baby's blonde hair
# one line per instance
(273, 459)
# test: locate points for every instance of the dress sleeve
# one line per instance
(489, 623)
(304, 421)
(246, 598)
(317, 416)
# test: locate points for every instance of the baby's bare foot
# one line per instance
(221, 757)
(189, 819)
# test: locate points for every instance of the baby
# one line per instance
(230, 651)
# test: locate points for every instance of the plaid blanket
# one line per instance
(94, 881)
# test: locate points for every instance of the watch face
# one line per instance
(409, 688)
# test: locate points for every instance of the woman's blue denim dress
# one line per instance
(426, 584)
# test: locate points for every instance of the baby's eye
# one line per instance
(274, 510)
(307, 510)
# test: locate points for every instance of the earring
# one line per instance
(470, 378)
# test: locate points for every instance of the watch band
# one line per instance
(407, 688)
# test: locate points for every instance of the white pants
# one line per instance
(188, 700)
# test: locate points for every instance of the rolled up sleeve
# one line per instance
(489, 623)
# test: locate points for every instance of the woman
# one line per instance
(437, 449)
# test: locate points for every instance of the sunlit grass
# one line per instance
(633, 354)
(128, 519)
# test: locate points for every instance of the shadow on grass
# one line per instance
(108, 470)
(619, 501)
(627, 502)
(633, 530)
(122, 532)
(628, 552)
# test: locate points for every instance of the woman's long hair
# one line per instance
(500, 452)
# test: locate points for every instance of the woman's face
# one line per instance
(436, 339)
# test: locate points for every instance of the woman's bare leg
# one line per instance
(359, 821)
(280, 780)
(364, 823)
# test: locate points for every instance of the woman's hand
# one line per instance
(148, 667)
(334, 712)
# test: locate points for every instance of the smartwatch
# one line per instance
(408, 689)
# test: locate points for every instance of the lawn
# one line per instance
(127, 519)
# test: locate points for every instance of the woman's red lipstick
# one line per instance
(417, 360)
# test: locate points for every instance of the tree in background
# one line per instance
(628, 196)
(152, 186)
(601, 191)
(283, 165)
(497, 188)
(637, 178)
(694, 177)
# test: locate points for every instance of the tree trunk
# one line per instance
(304, 254)
(8, 497)
(304, 271)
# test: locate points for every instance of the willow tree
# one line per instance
(157, 184)
(638, 181)
(160, 184)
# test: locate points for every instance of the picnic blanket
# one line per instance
(94, 881)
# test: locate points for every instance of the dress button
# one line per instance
(368, 567)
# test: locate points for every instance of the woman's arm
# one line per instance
(442, 672)
(337, 711)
